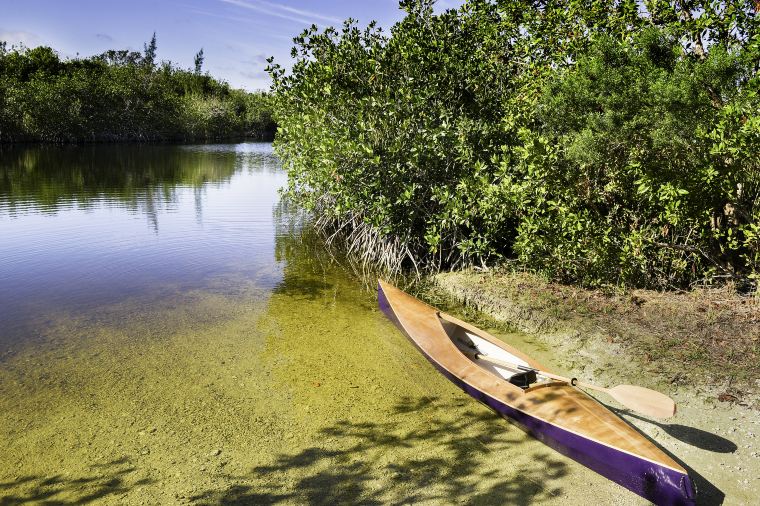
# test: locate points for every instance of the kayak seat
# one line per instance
(523, 379)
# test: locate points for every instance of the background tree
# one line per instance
(198, 61)
(149, 53)
(116, 96)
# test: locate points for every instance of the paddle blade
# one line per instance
(645, 401)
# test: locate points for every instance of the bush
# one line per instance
(599, 142)
(632, 191)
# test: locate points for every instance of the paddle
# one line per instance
(643, 400)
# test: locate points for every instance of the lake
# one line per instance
(172, 332)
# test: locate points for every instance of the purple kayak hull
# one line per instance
(658, 484)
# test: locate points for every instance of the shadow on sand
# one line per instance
(445, 460)
(105, 480)
(691, 435)
(707, 493)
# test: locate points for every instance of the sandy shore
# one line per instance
(719, 442)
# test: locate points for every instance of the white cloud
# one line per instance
(284, 11)
(302, 12)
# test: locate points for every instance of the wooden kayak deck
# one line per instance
(546, 405)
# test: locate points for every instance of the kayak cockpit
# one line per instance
(473, 344)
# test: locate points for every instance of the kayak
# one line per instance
(555, 412)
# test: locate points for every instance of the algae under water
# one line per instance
(170, 334)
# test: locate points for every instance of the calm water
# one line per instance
(84, 227)
(171, 334)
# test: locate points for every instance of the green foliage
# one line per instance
(198, 61)
(598, 141)
(630, 182)
(149, 53)
(121, 96)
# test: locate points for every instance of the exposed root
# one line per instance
(366, 247)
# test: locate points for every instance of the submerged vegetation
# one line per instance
(599, 142)
(121, 96)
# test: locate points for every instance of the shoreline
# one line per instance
(658, 332)
(601, 338)
(145, 141)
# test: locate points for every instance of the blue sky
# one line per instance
(236, 35)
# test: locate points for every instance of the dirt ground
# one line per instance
(701, 348)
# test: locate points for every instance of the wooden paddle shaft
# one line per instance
(511, 366)
(643, 400)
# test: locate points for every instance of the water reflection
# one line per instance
(86, 226)
(50, 178)
(47, 179)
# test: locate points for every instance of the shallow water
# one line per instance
(169, 333)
